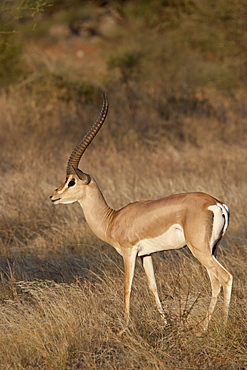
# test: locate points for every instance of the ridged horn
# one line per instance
(82, 145)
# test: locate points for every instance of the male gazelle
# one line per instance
(142, 228)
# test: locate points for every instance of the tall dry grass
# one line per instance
(61, 288)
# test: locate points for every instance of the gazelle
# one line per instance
(141, 228)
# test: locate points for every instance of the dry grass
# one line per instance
(61, 288)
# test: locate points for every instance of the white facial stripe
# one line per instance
(63, 188)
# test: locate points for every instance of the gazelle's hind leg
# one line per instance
(225, 280)
(216, 288)
(203, 244)
(219, 277)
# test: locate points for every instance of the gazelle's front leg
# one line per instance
(149, 270)
(129, 258)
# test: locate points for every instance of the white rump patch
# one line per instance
(221, 221)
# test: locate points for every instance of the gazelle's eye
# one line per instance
(71, 183)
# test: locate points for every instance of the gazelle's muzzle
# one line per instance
(53, 199)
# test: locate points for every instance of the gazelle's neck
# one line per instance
(96, 211)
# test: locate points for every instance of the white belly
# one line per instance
(171, 239)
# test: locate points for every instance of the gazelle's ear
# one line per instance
(82, 176)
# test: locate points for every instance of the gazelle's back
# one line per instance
(152, 218)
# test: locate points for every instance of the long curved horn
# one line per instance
(82, 145)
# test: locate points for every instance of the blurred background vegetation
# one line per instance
(197, 42)
(175, 58)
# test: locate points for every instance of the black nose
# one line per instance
(50, 196)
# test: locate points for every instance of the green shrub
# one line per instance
(128, 64)
(10, 59)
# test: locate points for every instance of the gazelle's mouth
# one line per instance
(55, 200)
